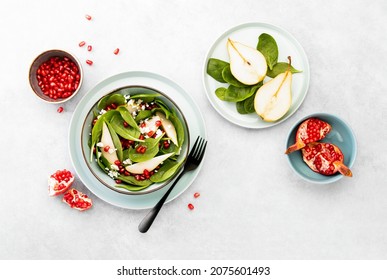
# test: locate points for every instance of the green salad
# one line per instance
(136, 139)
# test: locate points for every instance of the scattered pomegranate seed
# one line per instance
(190, 206)
(116, 51)
(166, 144)
(141, 149)
(141, 137)
(81, 44)
(158, 123)
(118, 181)
(90, 62)
(88, 17)
(58, 77)
(106, 148)
(196, 195)
(89, 48)
(126, 124)
(60, 109)
(117, 162)
(114, 106)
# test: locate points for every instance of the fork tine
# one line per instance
(194, 146)
(202, 152)
(197, 151)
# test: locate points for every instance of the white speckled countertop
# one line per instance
(252, 205)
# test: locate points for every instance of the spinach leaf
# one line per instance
(166, 171)
(163, 107)
(115, 98)
(268, 47)
(132, 181)
(235, 94)
(127, 116)
(281, 67)
(240, 106)
(220, 93)
(215, 68)
(116, 141)
(152, 149)
(249, 104)
(142, 115)
(229, 78)
(178, 127)
(130, 133)
(146, 97)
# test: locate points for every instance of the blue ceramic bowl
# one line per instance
(341, 135)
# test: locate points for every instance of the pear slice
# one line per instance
(169, 128)
(247, 64)
(107, 140)
(138, 168)
(274, 98)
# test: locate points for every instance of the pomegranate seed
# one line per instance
(118, 181)
(114, 106)
(190, 206)
(125, 124)
(88, 17)
(141, 137)
(166, 144)
(89, 48)
(196, 195)
(142, 125)
(60, 109)
(82, 43)
(116, 51)
(117, 162)
(150, 133)
(158, 123)
(90, 62)
(106, 148)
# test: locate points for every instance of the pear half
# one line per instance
(138, 168)
(274, 98)
(247, 64)
(107, 140)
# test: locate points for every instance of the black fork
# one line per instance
(193, 161)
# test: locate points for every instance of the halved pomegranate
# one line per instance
(325, 158)
(60, 182)
(311, 130)
(77, 200)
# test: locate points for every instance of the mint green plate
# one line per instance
(185, 102)
(248, 34)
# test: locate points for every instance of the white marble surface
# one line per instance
(252, 206)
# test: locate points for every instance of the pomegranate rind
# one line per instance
(77, 200)
(53, 186)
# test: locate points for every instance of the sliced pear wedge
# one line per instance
(274, 98)
(247, 64)
(107, 140)
(169, 128)
(138, 168)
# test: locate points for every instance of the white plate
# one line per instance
(248, 34)
(185, 102)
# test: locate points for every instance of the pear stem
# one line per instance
(290, 62)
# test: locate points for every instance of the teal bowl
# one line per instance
(341, 135)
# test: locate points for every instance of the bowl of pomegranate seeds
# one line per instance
(55, 76)
(321, 148)
(135, 140)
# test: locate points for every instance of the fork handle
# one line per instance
(151, 216)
